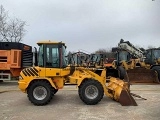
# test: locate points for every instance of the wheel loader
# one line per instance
(141, 66)
(43, 81)
(139, 70)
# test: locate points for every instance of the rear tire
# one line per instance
(91, 92)
(157, 69)
(40, 92)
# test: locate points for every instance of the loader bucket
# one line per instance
(119, 91)
(126, 99)
(142, 75)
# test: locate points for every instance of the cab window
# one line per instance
(52, 56)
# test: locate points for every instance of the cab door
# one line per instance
(52, 60)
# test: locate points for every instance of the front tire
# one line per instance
(91, 92)
(157, 69)
(55, 91)
(122, 72)
(40, 92)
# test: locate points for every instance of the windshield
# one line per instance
(156, 54)
(40, 56)
(64, 57)
(123, 56)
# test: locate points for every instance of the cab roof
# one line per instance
(49, 42)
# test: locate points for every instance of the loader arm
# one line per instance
(116, 89)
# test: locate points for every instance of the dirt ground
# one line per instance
(66, 105)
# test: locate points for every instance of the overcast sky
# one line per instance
(88, 25)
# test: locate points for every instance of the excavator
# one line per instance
(141, 66)
(43, 81)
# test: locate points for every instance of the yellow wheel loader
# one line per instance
(138, 71)
(43, 81)
(141, 66)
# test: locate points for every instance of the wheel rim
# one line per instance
(91, 92)
(40, 93)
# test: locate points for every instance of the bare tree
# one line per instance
(101, 51)
(11, 30)
(150, 47)
(3, 24)
(108, 53)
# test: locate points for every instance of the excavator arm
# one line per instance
(126, 45)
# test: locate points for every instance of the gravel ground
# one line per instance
(66, 105)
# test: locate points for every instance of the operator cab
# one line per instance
(52, 54)
(152, 55)
(122, 56)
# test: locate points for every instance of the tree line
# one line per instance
(11, 29)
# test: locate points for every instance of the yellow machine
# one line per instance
(43, 81)
(141, 66)
(138, 71)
